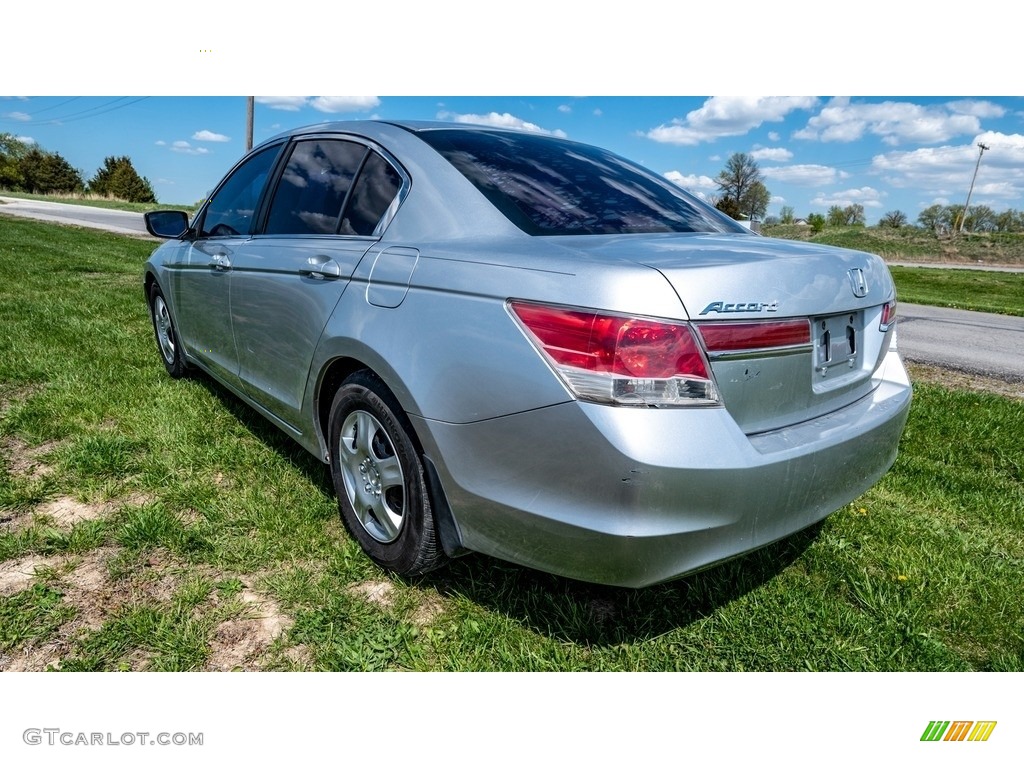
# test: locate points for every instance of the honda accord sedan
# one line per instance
(515, 344)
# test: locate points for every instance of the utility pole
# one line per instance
(963, 217)
(249, 105)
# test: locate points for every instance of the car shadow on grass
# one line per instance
(560, 608)
(596, 615)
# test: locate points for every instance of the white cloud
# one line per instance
(564, 109)
(893, 122)
(205, 135)
(772, 154)
(866, 196)
(161, 143)
(691, 181)
(287, 103)
(976, 108)
(21, 117)
(947, 171)
(803, 175)
(25, 139)
(728, 116)
(187, 149)
(598, 112)
(504, 120)
(694, 184)
(773, 135)
(335, 104)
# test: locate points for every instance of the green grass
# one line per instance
(999, 292)
(102, 202)
(205, 505)
(913, 244)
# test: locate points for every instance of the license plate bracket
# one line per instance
(837, 343)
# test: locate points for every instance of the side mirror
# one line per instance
(166, 224)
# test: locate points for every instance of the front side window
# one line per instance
(233, 206)
(548, 186)
(313, 187)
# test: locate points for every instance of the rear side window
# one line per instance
(313, 187)
(233, 206)
(377, 187)
(548, 186)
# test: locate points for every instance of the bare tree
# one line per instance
(741, 187)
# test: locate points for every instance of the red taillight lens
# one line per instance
(743, 337)
(621, 359)
(888, 315)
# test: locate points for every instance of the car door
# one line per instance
(321, 219)
(202, 285)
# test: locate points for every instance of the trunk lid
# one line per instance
(746, 282)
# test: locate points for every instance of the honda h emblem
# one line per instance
(860, 285)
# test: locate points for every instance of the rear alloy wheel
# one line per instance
(166, 336)
(379, 478)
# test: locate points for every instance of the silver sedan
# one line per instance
(532, 348)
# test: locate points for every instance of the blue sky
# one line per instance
(885, 153)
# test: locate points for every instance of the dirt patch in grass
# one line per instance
(239, 643)
(379, 593)
(24, 460)
(428, 611)
(950, 379)
(101, 584)
(16, 575)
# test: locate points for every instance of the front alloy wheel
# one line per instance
(166, 337)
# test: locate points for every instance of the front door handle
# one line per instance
(220, 261)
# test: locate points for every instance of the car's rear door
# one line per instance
(322, 217)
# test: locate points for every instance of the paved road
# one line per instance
(974, 342)
(123, 222)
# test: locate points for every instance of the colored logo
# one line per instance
(958, 730)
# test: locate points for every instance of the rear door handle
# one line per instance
(320, 268)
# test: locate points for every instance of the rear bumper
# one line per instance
(633, 497)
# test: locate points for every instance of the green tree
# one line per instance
(48, 172)
(836, 216)
(854, 214)
(980, 218)
(118, 178)
(741, 187)
(817, 222)
(755, 203)
(933, 217)
(1010, 221)
(786, 215)
(12, 150)
(894, 219)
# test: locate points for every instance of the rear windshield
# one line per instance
(548, 186)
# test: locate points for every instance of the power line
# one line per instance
(85, 114)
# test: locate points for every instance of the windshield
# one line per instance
(549, 186)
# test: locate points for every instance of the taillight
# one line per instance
(724, 338)
(620, 359)
(888, 315)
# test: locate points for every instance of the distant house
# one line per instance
(801, 222)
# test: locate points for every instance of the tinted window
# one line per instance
(376, 188)
(313, 186)
(233, 205)
(547, 186)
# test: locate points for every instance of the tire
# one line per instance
(166, 336)
(378, 476)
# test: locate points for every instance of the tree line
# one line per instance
(28, 168)
(743, 195)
